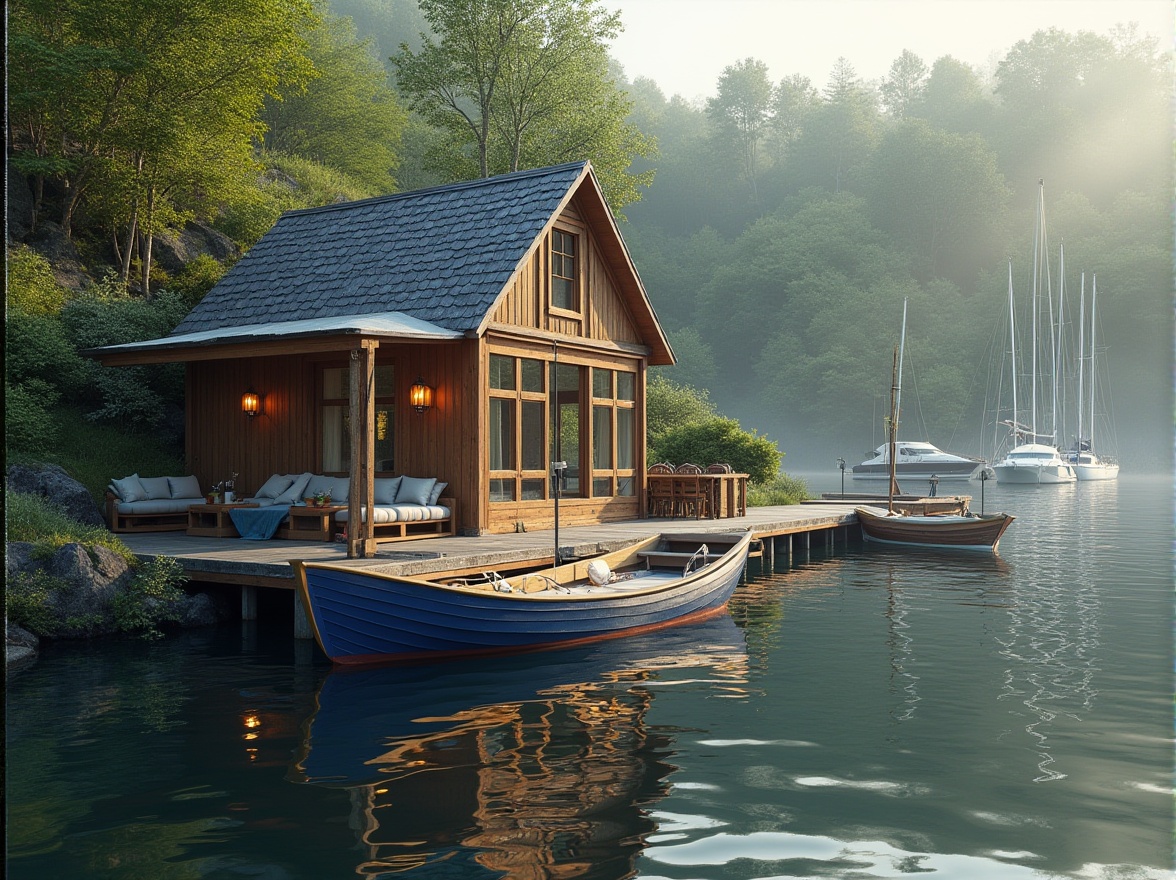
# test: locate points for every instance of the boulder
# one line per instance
(195, 239)
(52, 483)
(51, 242)
(20, 645)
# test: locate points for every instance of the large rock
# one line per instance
(20, 646)
(51, 242)
(196, 239)
(54, 484)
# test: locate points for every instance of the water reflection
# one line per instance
(531, 767)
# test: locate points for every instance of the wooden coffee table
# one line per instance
(311, 523)
(213, 520)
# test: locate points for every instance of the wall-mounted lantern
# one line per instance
(251, 403)
(420, 395)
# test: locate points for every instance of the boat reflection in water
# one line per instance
(534, 766)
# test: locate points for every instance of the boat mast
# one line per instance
(1013, 350)
(1037, 249)
(1056, 342)
(893, 433)
(901, 356)
(1093, 306)
(1081, 361)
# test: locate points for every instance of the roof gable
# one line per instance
(442, 255)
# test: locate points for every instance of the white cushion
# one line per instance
(129, 489)
(157, 488)
(386, 489)
(274, 486)
(159, 506)
(414, 490)
(436, 493)
(293, 494)
(185, 487)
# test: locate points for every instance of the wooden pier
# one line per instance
(266, 564)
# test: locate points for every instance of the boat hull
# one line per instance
(940, 532)
(1086, 473)
(1034, 474)
(365, 617)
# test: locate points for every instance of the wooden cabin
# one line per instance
(476, 333)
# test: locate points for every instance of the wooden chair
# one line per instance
(689, 496)
(719, 469)
(661, 490)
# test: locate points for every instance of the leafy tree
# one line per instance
(792, 101)
(839, 136)
(519, 83)
(32, 288)
(668, 404)
(740, 113)
(347, 116)
(720, 440)
(940, 196)
(903, 86)
(153, 104)
(954, 99)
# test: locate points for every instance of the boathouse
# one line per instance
(444, 332)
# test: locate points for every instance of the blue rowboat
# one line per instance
(369, 617)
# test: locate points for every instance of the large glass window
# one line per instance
(335, 409)
(614, 432)
(518, 428)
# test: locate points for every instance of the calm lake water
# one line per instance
(862, 713)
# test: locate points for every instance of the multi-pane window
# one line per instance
(518, 428)
(563, 270)
(614, 433)
(335, 406)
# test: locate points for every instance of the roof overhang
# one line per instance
(275, 338)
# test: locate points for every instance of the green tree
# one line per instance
(668, 404)
(347, 116)
(840, 134)
(954, 98)
(740, 113)
(903, 86)
(155, 100)
(518, 83)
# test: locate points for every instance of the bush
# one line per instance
(38, 346)
(720, 440)
(670, 405)
(28, 417)
(26, 602)
(150, 599)
(196, 279)
(782, 490)
(31, 286)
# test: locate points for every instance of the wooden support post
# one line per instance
(788, 546)
(248, 603)
(302, 627)
(361, 542)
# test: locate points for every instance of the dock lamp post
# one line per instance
(841, 464)
(983, 480)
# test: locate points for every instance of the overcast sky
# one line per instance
(683, 45)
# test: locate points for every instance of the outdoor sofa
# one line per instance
(405, 507)
(151, 504)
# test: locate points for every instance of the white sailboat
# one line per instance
(1034, 459)
(1088, 465)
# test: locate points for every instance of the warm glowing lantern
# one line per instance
(251, 403)
(420, 396)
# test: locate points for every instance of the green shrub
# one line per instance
(150, 599)
(782, 490)
(34, 519)
(196, 279)
(31, 286)
(39, 347)
(29, 425)
(720, 440)
(670, 405)
(26, 601)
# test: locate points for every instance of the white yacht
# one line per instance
(916, 461)
(1034, 463)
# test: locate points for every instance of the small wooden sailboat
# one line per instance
(962, 531)
(366, 616)
(1088, 464)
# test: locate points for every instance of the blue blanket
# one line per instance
(259, 523)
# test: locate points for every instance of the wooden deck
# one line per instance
(267, 563)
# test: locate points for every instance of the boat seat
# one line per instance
(672, 558)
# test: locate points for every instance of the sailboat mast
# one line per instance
(1081, 360)
(1093, 306)
(1055, 336)
(893, 433)
(1037, 249)
(901, 355)
(1013, 351)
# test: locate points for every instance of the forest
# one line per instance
(778, 226)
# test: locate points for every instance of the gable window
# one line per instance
(563, 271)
(335, 409)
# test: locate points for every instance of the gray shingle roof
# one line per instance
(442, 255)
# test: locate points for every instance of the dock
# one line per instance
(254, 565)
